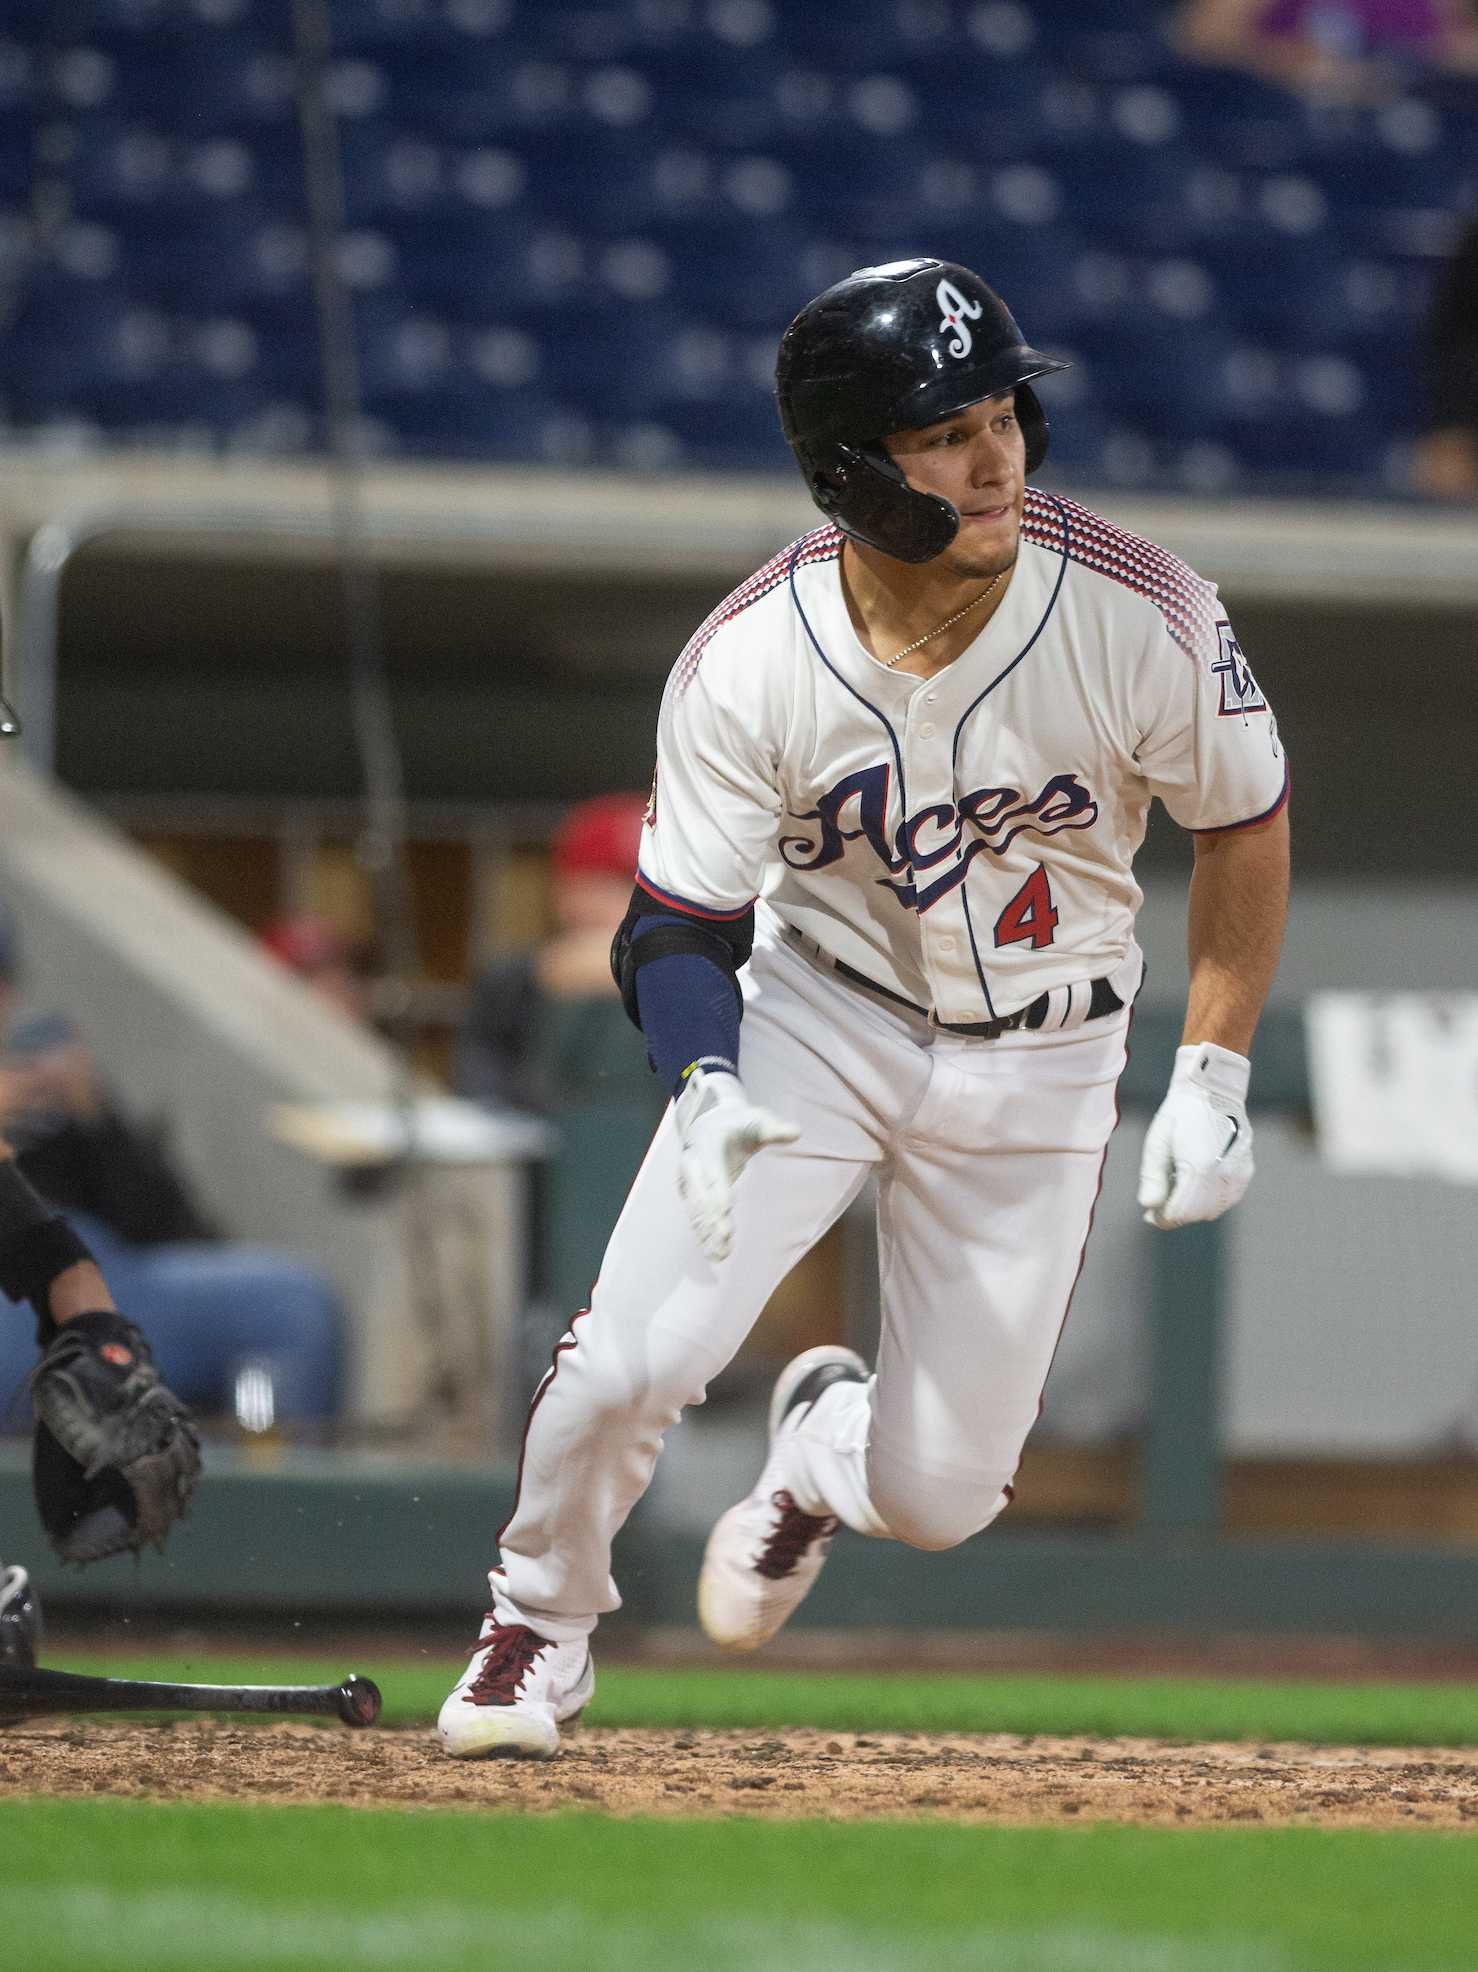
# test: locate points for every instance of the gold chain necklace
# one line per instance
(929, 635)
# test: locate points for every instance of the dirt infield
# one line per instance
(775, 1775)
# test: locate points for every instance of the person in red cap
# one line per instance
(592, 862)
(324, 958)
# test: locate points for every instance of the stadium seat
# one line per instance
(575, 229)
(404, 30)
(1167, 380)
(1124, 194)
(1239, 120)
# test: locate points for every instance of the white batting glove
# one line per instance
(1197, 1158)
(721, 1129)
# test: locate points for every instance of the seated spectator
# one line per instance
(1446, 459)
(212, 1310)
(592, 867)
(546, 1032)
(1348, 49)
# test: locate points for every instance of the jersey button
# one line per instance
(946, 944)
(926, 731)
(930, 697)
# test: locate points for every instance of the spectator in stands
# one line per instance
(499, 1059)
(1349, 49)
(336, 966)
(212, 1310)
(1446, 459)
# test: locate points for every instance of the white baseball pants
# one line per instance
(988, 1155)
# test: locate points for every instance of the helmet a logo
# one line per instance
(957, 313)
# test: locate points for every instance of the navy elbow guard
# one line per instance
(36, 1244)
(726, 943)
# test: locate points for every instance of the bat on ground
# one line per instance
(25, 1692)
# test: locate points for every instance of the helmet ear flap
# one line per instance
(861, 488)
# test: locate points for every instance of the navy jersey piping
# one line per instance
(1027, 646)
(954, 755)
(881, 717)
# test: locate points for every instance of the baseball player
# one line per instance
(115, 1456)
(902, 773)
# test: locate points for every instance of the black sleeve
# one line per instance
(119, 1173)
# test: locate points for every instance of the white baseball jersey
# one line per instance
(964, 840)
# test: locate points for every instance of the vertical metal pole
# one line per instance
(47, 559)
(1180, 1453)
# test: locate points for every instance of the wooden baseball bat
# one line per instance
(25, 1692)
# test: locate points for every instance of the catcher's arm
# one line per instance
(116, 1456)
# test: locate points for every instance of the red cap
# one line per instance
(600, 837)
(306, 944)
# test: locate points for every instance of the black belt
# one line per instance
(1102, 1000)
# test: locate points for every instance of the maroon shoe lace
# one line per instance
(507, 1655)
(792, 1537)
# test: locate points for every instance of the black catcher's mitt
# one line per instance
(116, 1455)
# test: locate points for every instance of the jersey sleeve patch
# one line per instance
(1240, 691)
(822, 544)
(1187, 601)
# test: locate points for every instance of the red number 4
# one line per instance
(1031, 914)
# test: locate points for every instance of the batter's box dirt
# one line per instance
(776, 1775)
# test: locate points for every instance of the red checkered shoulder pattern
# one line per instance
(822, 544)
(1186, 600)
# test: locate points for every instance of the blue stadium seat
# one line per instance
(999, 115)
(138, 20)
(21, 82)
(287, 333)
(484, 93)
(583, 31)
(521, 428)
(113, 169)
(205, 258)
(735, 271)
(870, 37)
(1300, 455)
(493, 264)
(717, 97)
(1360, 175)
(741, 435)
(17, 157)
(1124, 194)
(850, 184)
(394, 28)
(572, 225)
(1168, 379)
(1239, 120)
(80, 347)
(191, 85)
(1267, 286)
(613, 188)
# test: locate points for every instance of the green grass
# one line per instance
(117, 1886)
(1154, 1708)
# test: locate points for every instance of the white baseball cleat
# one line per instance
(516, 1693)
(764, 1554)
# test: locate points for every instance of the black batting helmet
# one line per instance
(889, 349)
